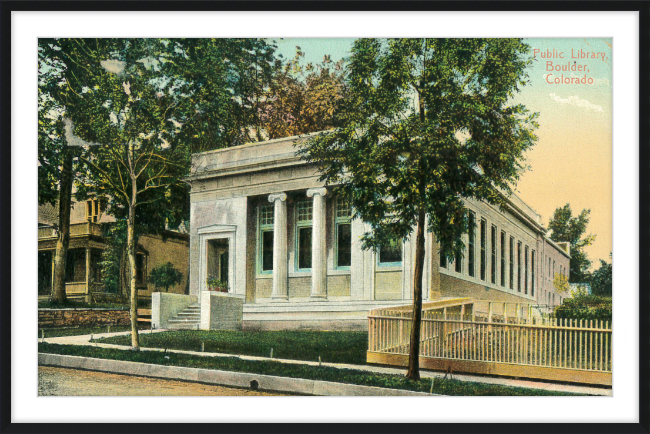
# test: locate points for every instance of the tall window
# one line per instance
(483, 247)
(553, 270)
(458, 263)
(92, 210)
(549, 267)
(443, 260)
(519, 266)
(471, 245)
(512, 262)
(265, 252)
(532, 273)
(304, 216)
(390, 253)
(140, 269)
(503, 258)
(343, 231)
(493, 254)
(526, 270)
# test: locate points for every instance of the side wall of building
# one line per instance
(160, 251)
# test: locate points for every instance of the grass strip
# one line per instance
(78, 331)
(331, 347)
(322, 373)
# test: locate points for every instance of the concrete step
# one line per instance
(184, 320)
(186, 313)
(187, 326)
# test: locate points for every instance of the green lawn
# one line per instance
(76, 331)
(350, 376)
(332, 347)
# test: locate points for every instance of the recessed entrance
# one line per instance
(217, 259)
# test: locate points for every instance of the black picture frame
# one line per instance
(7, 7)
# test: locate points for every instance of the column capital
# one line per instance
(322, 191)
(277, 196)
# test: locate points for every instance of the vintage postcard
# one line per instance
(325, 217)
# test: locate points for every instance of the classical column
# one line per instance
(279, 291)
(318, 247)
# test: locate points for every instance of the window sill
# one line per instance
(388, 268)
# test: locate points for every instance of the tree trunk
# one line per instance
(414, 348)
(130, 246)
(65, 199)
(131, 242)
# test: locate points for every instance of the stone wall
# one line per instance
(82, 317)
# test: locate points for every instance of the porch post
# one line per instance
(279, 291)
(88, 274)
(318, 253)
(52, 255)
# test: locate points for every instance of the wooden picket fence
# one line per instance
(502, 344)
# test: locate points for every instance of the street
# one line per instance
(54, 381)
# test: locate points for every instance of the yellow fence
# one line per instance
(503, 345)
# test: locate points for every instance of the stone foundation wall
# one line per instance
(82, 317)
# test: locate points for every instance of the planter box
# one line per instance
(221, 311)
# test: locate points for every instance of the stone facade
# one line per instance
(288, 245)
(82, 317)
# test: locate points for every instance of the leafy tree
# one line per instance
(601, 279)
(143, 105)
(566, 228)
(301, 100)
(120, 98)
(561, 284)
(165, 276)
(426, 123)
(229, 78)
(586, 307)
(55, 157)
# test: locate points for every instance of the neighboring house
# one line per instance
(83, 279)
(262, 221)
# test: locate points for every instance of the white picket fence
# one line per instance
(501, 334)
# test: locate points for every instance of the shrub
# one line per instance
(165, 276)
(586, 307)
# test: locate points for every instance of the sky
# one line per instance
(572, 160)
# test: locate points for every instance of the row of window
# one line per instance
(519, 258)
(389, 254)
(551, 269)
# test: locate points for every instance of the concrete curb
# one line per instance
(225, 378)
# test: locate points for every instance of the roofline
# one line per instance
(265, 142)
(560, 249)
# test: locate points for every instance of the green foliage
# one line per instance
(566, 228)
(425, 124)
(561, 284)
(113, 260)
(165, 276)
(228, 78)
(51, 136)
(586, 307)
(214, 284)
(601, 279)
(322, 373)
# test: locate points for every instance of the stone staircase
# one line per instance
(187, 319)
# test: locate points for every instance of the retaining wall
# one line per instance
(82, 317)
